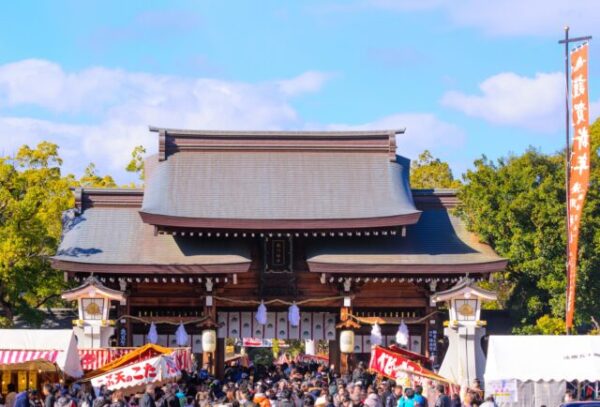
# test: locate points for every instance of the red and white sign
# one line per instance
(154, 370)
(396, 366)
(579, 168)
(92, 359)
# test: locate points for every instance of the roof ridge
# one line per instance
(368, 141)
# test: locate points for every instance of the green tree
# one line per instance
(91, 179)
(137, 161)
(517, 205)
(33, 196)
(429, 172)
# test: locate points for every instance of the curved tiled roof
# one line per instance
(101, 239)
(278, 180)
(284, 186)
(438, 243)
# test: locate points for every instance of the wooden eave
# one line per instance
(279, 224)
(370, 269)
(132, 269)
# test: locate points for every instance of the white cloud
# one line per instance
(509, 17)
(535, 103)
(120, 105)
(424, 131)
(99, 114)
(310, 81)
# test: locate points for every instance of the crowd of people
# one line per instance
(288, 385)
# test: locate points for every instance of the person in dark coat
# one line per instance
(442, 400)
(147, 399)
(49, 398)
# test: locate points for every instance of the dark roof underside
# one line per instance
(229, 190)
(101, 239)
(438, 243)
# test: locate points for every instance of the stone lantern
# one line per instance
(464, 360)
(93, 328)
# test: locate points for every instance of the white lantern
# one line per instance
(209, 340)
(347, 341)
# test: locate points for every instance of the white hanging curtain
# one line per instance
(152, 334)
(402, 334)
(376, 339)
(181, 335)
(261, 314)
(294, 315)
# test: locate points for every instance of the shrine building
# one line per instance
(227, 219)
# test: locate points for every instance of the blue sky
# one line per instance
(465, 77)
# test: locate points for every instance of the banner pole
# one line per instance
(571, 266)
(567, 162)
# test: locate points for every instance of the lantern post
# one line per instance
(464, 360)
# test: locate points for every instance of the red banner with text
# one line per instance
(579, 168)
(395, 366)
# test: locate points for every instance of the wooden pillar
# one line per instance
(219, 356)
(334, 354)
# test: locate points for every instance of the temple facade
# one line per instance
(227, 219)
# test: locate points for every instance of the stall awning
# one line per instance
(543, 358)
(17, 356)
(40, 349)
(181, 356)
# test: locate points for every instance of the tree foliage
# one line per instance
(90, 178)
(517, 205)
(428, 172)
(33, 196)
(137, 161)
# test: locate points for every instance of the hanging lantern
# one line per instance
(402, 335)
(294, 315)
(261, 314)
(152, 334)
(181, 336)
(347, 341)
(376, 338)
(209, 340)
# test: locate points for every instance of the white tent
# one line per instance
(43, 349)
(533, 370)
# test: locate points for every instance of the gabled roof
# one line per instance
(465, 286)
(438, 244)
(115, 240)
(92, 283)
(278, 180)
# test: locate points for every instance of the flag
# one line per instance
(579, 167)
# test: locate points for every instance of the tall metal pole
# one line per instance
(567, 161)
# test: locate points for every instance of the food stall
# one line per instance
(30, 357)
